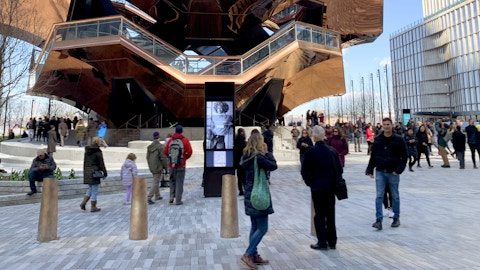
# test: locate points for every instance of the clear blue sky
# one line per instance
(361, 60)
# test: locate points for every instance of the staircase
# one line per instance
(121, 137)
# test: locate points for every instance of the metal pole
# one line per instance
(6, 112)
(353, 102)
(450, 100)
(380, 89)
(363, 100)
(373, 100)
(388, 94)
(328, 109)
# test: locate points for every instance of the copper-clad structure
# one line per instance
(150, 59)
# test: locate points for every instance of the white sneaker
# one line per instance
(391, 213)
(386, 212)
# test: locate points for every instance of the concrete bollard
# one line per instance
(229, 226)
(48, 221)
(139, 210)
(312, 222)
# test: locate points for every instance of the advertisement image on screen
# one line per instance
(219, 125)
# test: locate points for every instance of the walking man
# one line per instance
(178, 150)
(472, 137)
(389, 158)
(157, 162)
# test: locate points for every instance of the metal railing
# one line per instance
(197, 64)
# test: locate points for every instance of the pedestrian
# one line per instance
(177, 150)
(92, 127)
(412, 153)
(128, 172)
(257, 150)
(422, 145)
(304, 143)
(442, 144)
(62, 131)
(31, 129)
(80, 130)
(295, 134)
(357, 133)
(369, 137)
(157, 163)
(473, 140)
(102, 132)
(339, 143)
(42, 167)
(458, 142)
(52, 141)
(268, 137)
(320, 171)
(389, 158)
(240, 144)
(92, 161)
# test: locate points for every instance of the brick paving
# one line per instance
(439, 228)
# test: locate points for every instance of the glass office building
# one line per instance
(436, 62)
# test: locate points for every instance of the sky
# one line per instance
(361, 60)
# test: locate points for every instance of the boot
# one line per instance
(94, 207)
(84, 202)
(259, 260)
(247, 260)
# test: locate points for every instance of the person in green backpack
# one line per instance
(256, 151)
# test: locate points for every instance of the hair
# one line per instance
(255, 145)
(240, 130)
(254, 131)
(387, 119)
(307, 131)
(221, 107)
(420, 127)
(340, 131)
(459, 128)
(131, 156)
(319, 133)
(97, 141)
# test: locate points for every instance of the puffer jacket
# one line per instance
(128, 172)
(156, 158)
(93, 161)
(266, 162)
(35, 167)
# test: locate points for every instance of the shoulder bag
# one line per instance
(340, 185)
(260, 197)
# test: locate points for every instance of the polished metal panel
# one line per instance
(139, 210)
(229, 221)
(48, 220)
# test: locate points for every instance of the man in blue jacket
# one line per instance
(389, 158)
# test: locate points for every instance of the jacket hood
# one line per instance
(177, 136)
(155, 145)
(90, 150)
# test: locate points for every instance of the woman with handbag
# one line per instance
(93, 171)
(257, 157)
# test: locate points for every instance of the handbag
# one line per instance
(341, 191)
(260, 197)
(97, 174)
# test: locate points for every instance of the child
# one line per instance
(128, 172)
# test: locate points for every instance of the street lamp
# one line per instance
(449, 94)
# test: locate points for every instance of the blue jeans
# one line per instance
(258, 230)
(92, 191)
(381, 180)
(37, 176)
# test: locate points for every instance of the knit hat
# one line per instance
(179, 129)
(40, 152)
(156, 135)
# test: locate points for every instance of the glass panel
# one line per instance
(87, 30)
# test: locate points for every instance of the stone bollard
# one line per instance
(139, 210)
(48, 221)
(312, 223)
(229, 226)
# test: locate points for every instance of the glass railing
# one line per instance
(197, 64)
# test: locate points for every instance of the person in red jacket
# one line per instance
(177, 171)
(370, 137)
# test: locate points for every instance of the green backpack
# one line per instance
(260, 197)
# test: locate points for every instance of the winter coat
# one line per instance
(63, 129)
(357, 133)
(442, 132)
(458, 141)
(321, 167)
(340, 145)
(128, 172)
(52, 141)
(472, 134)
(268, 163)
(156, 158)
(422, 137)
(93, 161)
(92, 129)
(411, 146)
(102, 130)
(240, 144)
(389, 154)
(35, 167)
(306, 140)
(80, 129)
(369, 135)
(268, 139)
(187, 149)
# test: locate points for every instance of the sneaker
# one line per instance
(445, 166)
(430, 166)
(319, 247)
(159, 198)
(391, 214)
(386, 212)
(259, 260)
(377, 224)
(411, 170)
(396, 222)
(179, 203)
(151, 202)
(170, 201)
(31, 193)
(419, 166)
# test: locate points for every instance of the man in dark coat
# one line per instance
(320, 170)
(42, 167)
(389, 157)
(472, 139)
(240, 143)
(458, 141)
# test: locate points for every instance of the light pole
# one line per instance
(380, 88)
(31, 109)
(450, 100)
(388, 94)
(373, 99)
(363, 100)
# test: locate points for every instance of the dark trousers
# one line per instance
(324, 203)
(473, 148)
(241, 176)
(36, 176)
(411, 161)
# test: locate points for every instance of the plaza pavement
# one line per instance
(439, 227)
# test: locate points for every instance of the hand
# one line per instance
(394, 173)
(105, 175)
(371, 175)
(43, 167)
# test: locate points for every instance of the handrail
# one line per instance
(196, 64)
(128, 122)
